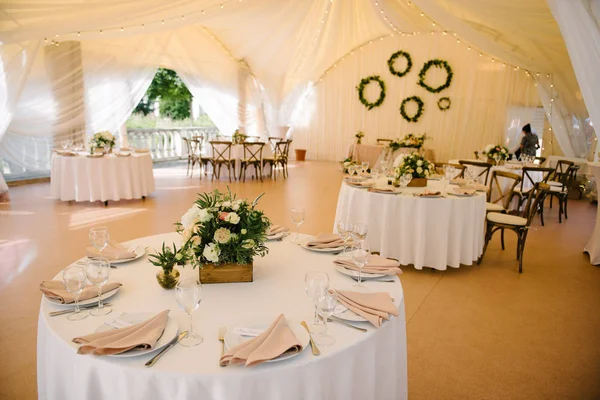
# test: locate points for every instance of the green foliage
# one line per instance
(444, 103)
(140, 121)
(411, 140)
(392, 61)
(415, 165)
(168, 258)
(361, 88)
(175, 98)
(438, 64)
(419, 112)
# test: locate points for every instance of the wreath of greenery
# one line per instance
(444, 103)
(392, 61)
(439, 64)
(361, 87)
(419, 112)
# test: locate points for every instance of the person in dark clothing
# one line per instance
(530, 142)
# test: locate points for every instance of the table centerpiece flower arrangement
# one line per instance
(167, 259)
(347, 163)
(359, 136)
(495, 153)
(410, 141)
(222, 235)
(103, 140)
(414, 165)
(238, 137)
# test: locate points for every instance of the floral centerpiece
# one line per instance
(101, 140)
(495, 152)
(359, 137)
(238, 137)
(410, 141)
(415, 165)
(222, 231)
(167, 259)
(346, 163)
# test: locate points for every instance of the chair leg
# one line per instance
(488, 236)
(502, 237)
(229, 171)
(565, 206)
(260, 169)
(541, 210)
(521, 246)
(560, 210)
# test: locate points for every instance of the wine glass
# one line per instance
(364, 166)
(316, 284)
(344, 228)
(64, 144)
(405, 179)
(99, 237)
(188, 293)
(351, 170)
(326, 306)
(297, 216)
(361, 256)
(74, 281)
(98, 271)
(359, 231)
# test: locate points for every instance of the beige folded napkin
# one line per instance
(142, 150)
(382, 190)
(464, 190)
(367, 183)
(113, 251)
(477, 186)
(55, 290)
(122, 154)
(458, 181)
(142, 336)
(275, 229)
(429, 193)
(274, 342)
(374, 307)
(326, 241)
(376, 265)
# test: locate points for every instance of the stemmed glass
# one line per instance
(326, 306)
(361, 256)
(359, 231)
(364, 166)
(74, 280)
(65, 144)
(351, 170)
(316, 284)
(344, 228)
(189, 294)
(98, 271)
(405, 179)
(99, 237)
(297, 216)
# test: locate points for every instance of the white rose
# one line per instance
(226, 204)
(236, 205)
(232, 218)
(419, 163)
(248, 244)
(426, 172)
(222, 235)
(419, 170)
(211, 252)
(203, 215)
(190, 217)
(244, 231)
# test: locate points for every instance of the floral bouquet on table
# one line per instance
(359, 137)
(238, 137)
(496, 152)
(347, 164)
(413, 165)
(410, 141)
(102, 140)
(220, 229)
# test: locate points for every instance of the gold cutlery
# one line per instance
(72, 310)
(339, 321)
(315, 349)
(222, 332)
(154, 359)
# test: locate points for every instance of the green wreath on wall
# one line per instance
(392, 61)
(420, 108)
(444, 103)
(438, 64)
(361, 88)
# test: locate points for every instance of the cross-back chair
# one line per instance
(562, 192)
(193, 147)
(501, 190)
(252, 156)
(560, 172)
(483, 167)
(221, 151)
(518, 224)
(531, 176)
(539, 160)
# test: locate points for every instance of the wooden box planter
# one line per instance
(226, 273)
(418, 182)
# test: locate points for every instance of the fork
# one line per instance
(222, 333)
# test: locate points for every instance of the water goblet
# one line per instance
(99, 237)
(344, 228)
(359, 231)
(64, 144)
(97, 271)
(74, 281)
(364, 166)
(361, 256)
(297, 216)
(405, 179)
(326, 306)
(188, 293)
(316, 284)
(351, 170)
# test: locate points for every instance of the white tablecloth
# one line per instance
(110, 177)
(358, 366)
(593, 246)
(433, 232)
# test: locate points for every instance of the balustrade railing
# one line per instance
(167, 144)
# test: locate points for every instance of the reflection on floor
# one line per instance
(474, 332)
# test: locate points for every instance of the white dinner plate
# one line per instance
(327, 250)
(462, 194)
(233, 339)
(349, 316)
(170, 332)
(364, 185)
(350, 272)
(278, 235)
(139, 252)
(93, 300)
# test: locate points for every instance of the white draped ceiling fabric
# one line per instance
(71, 68)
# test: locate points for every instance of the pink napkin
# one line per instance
(376, 265)
(464, 190)
(277, 340)
(55, 290)
(275, 229)
(374, 307)
(430, 193)
(140, 336)
(477, 186)
(113, 251)
(326, 241)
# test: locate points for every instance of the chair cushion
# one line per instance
(493, 207)
(557, 189)
(506, 219)
(554, 183)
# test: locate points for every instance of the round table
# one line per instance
(425, 232)
(358, 366)
(83, 178)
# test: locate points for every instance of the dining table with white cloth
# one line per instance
(593, 245)
(371, 152)
(425, 232)
(371, 365)
(110, 177)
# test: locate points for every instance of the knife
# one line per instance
(72, 310)
(154, 359)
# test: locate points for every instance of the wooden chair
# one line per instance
(483, 166)
(252, 156)
(285, 157)
(280, 156)
(540, 160)
(504, 189)
(518, 224)
(522, 192)
(193, 156)
(384, 141)
(560, 173)
(221, 151)
(439, 169)
(562, 192)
